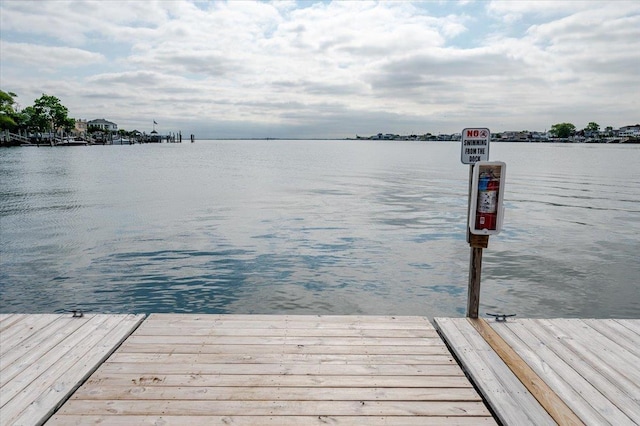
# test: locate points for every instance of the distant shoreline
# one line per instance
(46, 143)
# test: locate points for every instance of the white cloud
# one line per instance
(303, 68)
(511, 11)
(48, 58)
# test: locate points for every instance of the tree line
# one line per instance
(566, 130)
(46, 114)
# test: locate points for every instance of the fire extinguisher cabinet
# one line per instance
(486, 211)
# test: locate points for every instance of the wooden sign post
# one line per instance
(475, 147)
(484, 210)
(477, 243)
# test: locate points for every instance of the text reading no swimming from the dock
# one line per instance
(475, 145)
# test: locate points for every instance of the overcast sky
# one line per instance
(241, 69)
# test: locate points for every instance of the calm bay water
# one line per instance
(315, 227)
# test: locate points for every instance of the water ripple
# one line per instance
(314, 228)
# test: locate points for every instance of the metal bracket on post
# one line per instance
(478, 241)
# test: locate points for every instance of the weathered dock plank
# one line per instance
(608, 376)
(275, 408)
(289, 393)
(279, 368)
(591, 365)
(184, 338)
(512, 403)
(248, 420)
(280, 380)
(6, 320)
(21, 328)
(22, 353)
(279, 332)
(45, 358)
(616, 331)
(558, 375)
(240, 369)
(131, 347)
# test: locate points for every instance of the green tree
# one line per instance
(31, 121)
(69, 124)
(7, 110)
(49, 110)
(593, 127)
(562, 130)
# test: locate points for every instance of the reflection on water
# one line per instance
(315, 228)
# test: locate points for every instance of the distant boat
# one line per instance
(122, 141)
(72, 142)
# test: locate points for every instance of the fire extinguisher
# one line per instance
(487, 209)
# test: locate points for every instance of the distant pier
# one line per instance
(8, 139)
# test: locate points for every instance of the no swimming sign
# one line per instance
(475, 145)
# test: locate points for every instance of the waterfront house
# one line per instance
(515, 136)
(627, 131)
(81, 127)
(103, 124)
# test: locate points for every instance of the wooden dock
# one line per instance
(278, 370)
(316, 370)
(548, 371)
(44, 358)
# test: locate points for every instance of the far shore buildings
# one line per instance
(629, 131)
(608, 135)
(103, 124)
(81, 127)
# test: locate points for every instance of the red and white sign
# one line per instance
(475, 145)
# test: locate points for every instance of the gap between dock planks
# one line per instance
(262, 369)
(45, 357)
